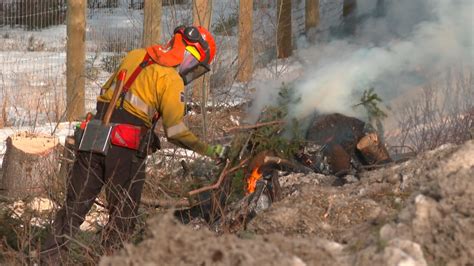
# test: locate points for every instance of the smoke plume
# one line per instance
(404, 44)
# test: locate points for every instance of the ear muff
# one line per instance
(192, 34)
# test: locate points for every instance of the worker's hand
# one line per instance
(216, 152)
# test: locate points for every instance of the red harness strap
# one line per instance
(146, 62)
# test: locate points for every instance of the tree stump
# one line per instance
(29, 165)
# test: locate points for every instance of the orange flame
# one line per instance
(252, 180)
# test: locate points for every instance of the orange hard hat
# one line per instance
(199, 52)
(191, 50)
(199, 38)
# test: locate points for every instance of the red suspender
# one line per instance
(146, 62)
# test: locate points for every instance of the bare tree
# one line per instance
(284, 33)
(312, 14)
(75, 59)
(202, 11)
(152, 22)
(349, 16)
(245, 40)
(380, 8)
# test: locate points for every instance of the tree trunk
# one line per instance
(380, 9)
(29, 165)
(152, 22)
(202, 11)
(75, 58)
(284, 35)
(349, 16)
(312, 14)
(245, 70)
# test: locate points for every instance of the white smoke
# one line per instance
(411, 43)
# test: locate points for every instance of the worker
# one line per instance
(154, 87)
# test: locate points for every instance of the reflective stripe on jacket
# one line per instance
(156, 88)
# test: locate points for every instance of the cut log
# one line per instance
(29, 165)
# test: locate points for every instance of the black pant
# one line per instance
(123, 175)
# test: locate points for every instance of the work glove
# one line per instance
(217, 152)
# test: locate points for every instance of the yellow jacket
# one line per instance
(156, 89)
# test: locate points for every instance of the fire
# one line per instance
(252, 180)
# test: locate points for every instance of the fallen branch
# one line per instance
(165, 203)
(285, 162)
(277, 122)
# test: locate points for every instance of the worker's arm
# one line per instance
(171, 109)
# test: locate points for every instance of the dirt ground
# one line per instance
(419, 212)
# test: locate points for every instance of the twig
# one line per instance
(328, 211)
(64, 159)
(285, 162)
(213, 186)
(240, 165)
(403, 146)
(164, 192)
(241, 153)
(100, 204)
(223, 174)
(264, 124)
(64, 114)
(186, 172)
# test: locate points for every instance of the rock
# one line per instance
(426, 212)
(396, 257)
(297, 262)
(403, 253)
(387, 232)
(395, 178)
(351, 179)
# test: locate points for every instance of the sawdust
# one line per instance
(34, 143)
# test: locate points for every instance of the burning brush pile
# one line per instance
(260, 154)
(334, 145)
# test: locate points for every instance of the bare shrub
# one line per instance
(119, 40)
(35, 45)
(111, 62)
(443, 114)
(225, 25)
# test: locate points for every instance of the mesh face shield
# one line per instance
(191, 68)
